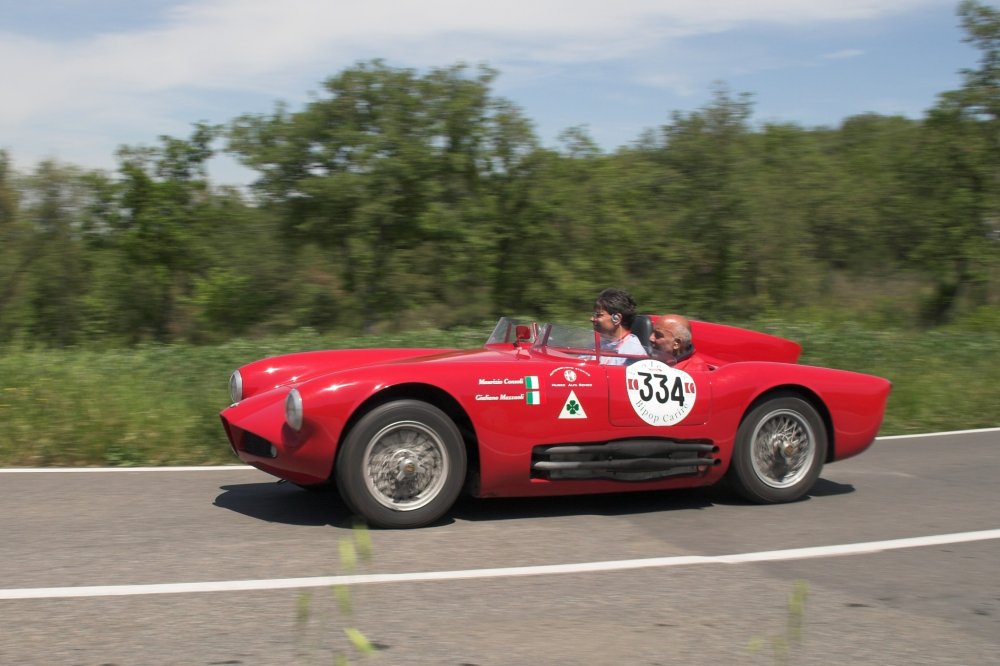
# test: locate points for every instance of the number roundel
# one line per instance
(659, 394)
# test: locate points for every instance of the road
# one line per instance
(193, 567)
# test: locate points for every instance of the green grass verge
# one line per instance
(159, 404)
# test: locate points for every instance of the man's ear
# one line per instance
(616, 318)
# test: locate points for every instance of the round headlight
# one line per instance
(293, 410)
(236, 387)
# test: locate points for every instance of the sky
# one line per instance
(79, 78)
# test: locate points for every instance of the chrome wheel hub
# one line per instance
(405, 465)
(782, 448)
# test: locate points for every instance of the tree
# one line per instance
(15, 257)
(58, 277)
(959, 183)
(981, 93)
(392, 172)
(863, 220)
(706, 153)
(158, 231)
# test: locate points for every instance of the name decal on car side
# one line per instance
(532, 394)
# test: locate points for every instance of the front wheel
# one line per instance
(779, 451)
(402, 465)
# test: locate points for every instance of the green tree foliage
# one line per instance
(12, 260)
(391, 173)
(15, 254)
(59, 269)
(863, 215)
(730, 210)
(708, 155)
(400, 198)
(159, 223)
(958, 186)
(200, 264)
(981, 93)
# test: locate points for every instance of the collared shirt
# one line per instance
(627, 345)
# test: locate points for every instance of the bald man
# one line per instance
(671, 340)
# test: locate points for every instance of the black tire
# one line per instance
(402, 465)
(779, 451)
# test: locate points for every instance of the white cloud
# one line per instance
(844, 54)
(115, 83)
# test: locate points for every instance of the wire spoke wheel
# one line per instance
(779, 450)
(402, 465)
(783, 447)
(405, 465)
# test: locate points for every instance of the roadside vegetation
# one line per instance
(158, 404)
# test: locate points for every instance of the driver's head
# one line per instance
(671, 336)
(613, 310)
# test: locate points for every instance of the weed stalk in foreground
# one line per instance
(357, 547)
(783, 642)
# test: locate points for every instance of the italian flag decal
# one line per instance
(532, 394)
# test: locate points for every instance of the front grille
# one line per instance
(257, 445)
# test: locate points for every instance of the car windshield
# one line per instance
(577, 341)
(509, 330)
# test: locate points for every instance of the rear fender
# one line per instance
(853, 403)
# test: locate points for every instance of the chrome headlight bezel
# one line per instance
(236, 387)
(293, 410)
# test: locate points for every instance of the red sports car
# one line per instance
(540, 411)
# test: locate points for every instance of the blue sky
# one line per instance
(82, 77)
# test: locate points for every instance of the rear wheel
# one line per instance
(779, 451)
(402, 465)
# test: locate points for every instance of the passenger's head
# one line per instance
(671, 337)
(614, 309)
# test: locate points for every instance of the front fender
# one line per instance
(259, 436)
(266, 374)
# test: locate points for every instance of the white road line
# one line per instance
(470, 574)
(938, 434)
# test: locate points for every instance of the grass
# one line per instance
(159, 404)
(943, 379)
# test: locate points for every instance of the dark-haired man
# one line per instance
(613, 314)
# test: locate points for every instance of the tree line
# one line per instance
(401, 199)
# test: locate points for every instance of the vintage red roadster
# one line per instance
(539, 411)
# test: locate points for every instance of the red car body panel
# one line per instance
(729, 343)
(493, 392)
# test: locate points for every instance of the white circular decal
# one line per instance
(659, 394)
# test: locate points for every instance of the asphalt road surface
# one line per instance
(225, 566)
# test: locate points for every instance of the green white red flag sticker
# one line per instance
(532, 394)
(659, 394)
